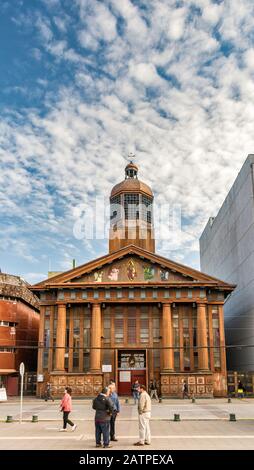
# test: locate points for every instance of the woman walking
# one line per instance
(66, 408)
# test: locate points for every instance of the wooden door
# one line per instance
(139, 375)
(124, 382)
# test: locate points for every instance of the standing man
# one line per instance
(104, 408)
(144, 415)
(154, 389)
(135, 392)
(48, 395)
(114, 398)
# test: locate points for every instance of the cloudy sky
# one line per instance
(84, 82)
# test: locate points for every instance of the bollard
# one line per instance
(35, 419)
(229, 400)
(177, 417)
(126, 400)
(9, 419)
(160, 400)
(232, 417)
(193, 400)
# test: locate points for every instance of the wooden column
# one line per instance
(180, 326)
(210, 316)
(70, 361)
(95, 354)
(41, 339)
(202, 338)
(51, 338)
(81, 338)
(222, 340)
(60, 337)
(167, 338)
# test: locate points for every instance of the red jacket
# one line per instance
(66, 404)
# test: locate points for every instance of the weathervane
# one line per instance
(131, 156)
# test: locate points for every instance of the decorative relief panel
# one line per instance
(164, 389)
(62, 380)
(209, 380)
(174, 380)
(173, 389)
(192, 390)
(200, 389)
(132, 268)
(196, 385)
(88, 390)
(200, 380)
(165, 380)
(82, 385)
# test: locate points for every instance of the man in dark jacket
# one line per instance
(154, 389)
(104, 408)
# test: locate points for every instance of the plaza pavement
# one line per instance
(204, 425)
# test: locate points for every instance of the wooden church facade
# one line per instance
(132, 314)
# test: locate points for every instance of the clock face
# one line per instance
(131, 361)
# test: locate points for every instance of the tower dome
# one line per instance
(131, 218)
(131, 182)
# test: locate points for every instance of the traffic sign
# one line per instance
(22, 368)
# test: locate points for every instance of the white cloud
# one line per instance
(99, 24)
(145, 73)
(44, 28)
(176, 24)
(212, 13)
(249, 59)
(191, 133)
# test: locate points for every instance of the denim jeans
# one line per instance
(102, 428)
(112, 425)
(135, 396)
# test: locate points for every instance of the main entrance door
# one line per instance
(131, 367)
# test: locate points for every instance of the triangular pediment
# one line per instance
(131, 265)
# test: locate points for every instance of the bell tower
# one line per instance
(131, 213)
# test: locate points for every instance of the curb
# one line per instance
(42, 420)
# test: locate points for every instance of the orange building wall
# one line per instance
(27, 329)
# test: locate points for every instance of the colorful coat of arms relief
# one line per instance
(113, 275)
(98, 276)
(148, 273)
(164, 275)
(131, 270)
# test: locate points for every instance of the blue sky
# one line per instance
(84, 82)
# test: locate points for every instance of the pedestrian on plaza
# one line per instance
(114, 398)
(240, 390)
(154, 389)
(104, 408)
(48, 395)
(144, 416)
(185, 389)
(134, 389)
(66, 408)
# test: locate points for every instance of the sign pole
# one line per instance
(21, 371)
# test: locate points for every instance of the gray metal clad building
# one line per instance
(227, 252)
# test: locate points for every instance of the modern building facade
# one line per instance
(132, 313)
(19, 329)
(227, 251)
